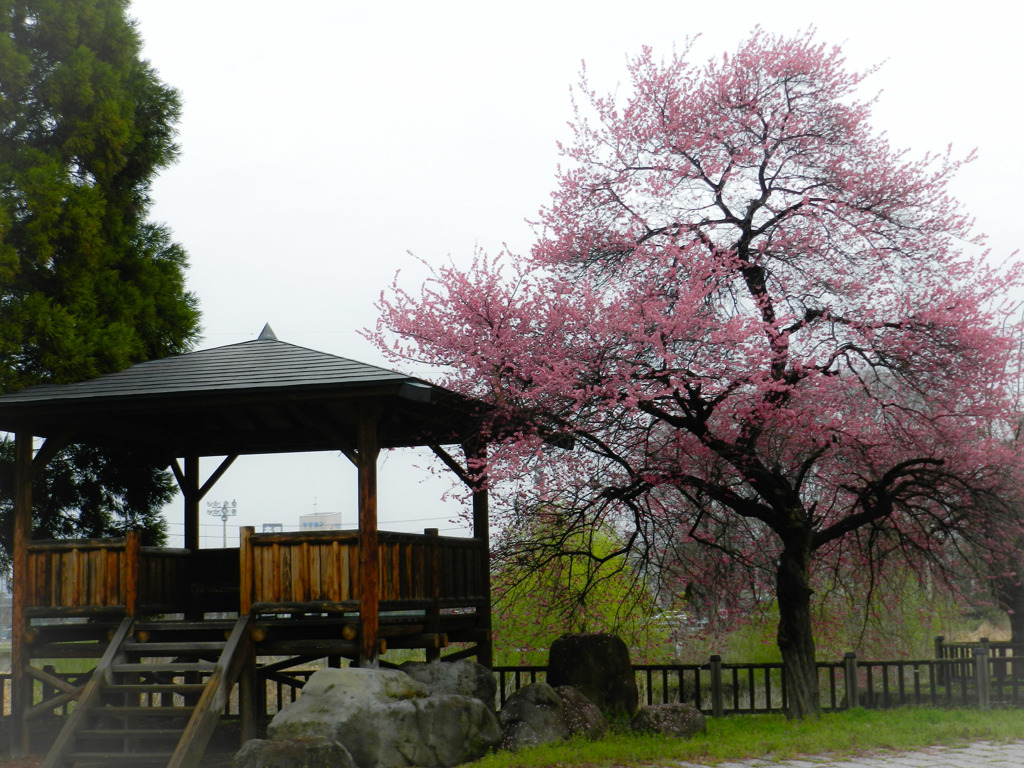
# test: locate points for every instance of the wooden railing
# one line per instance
(274, 572)
(319, 571)
(80, 577)
(83, 576)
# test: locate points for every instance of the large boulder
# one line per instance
(463, 677)
(334, 696)
(267, 753)
(598, 665)
(385, 719)
(582, 717)
(435, 731)
(535, 714)
(677, 719)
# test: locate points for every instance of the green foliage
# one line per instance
(774, 737)
(589, 590)
(895, 617)
(87, 284)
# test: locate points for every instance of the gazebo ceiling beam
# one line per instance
(51, 447)
(205, 488)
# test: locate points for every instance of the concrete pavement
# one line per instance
(978, 755)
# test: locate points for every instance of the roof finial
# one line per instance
(267, 334)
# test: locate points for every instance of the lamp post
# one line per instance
(223, 510)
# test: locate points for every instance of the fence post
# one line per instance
(940, 641)
(981, 679)
(850, 672)
(717, 706)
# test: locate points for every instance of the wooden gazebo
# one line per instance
(165, 666)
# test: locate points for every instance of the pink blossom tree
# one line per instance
(773, 340)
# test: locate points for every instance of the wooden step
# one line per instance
(129, 733)
(113, 710)
(174, 649)
(163, 666)
(118, 758)
(181, 688)
(221, 625)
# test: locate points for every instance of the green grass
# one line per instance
(775, 737)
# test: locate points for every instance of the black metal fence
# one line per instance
(719, 688)
(982, 675)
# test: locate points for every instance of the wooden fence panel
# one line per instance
(78, 575)
(322, 568)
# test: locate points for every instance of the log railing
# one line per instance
(319, 571)
(277, 573)
(81, 577)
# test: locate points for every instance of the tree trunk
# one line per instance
(1010, 592)
(795, 637)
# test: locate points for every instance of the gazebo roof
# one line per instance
(260, 396)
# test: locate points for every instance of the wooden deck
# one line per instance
(433, 586)
(149, 617)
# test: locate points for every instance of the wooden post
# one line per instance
(192, 497)
(246, 577)
(369, 555)
(481, 530)
(850, 672)
(132, 554)
(981, 676)
(717, 704)
(21, 683)
(940, 641)
(248, 699)
(434, 592)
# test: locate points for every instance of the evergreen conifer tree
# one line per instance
(88, 284)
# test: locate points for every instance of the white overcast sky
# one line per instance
(323, 140)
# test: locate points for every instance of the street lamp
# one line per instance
(223, 510)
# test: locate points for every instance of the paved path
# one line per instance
(980, 755)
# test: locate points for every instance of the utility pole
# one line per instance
(223, 510)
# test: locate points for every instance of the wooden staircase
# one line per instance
(155, 696)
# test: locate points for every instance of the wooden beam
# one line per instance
(477, 454)
(193, 492)
(218, 473)
(452, 464)
(368, 548)
(50, 448)
(21, 684)
(476, 479)
(189, 483)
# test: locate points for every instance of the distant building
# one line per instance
(320, 521)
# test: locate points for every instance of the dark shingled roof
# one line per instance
(261, 396)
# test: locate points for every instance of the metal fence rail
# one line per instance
(719, 688)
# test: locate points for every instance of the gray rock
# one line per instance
(463, 677)
(436, 731)
(683, 720)
(266, 753)
(582, 716)
(332, 696)
(598, 665)
(533, 715)
(385, 719)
